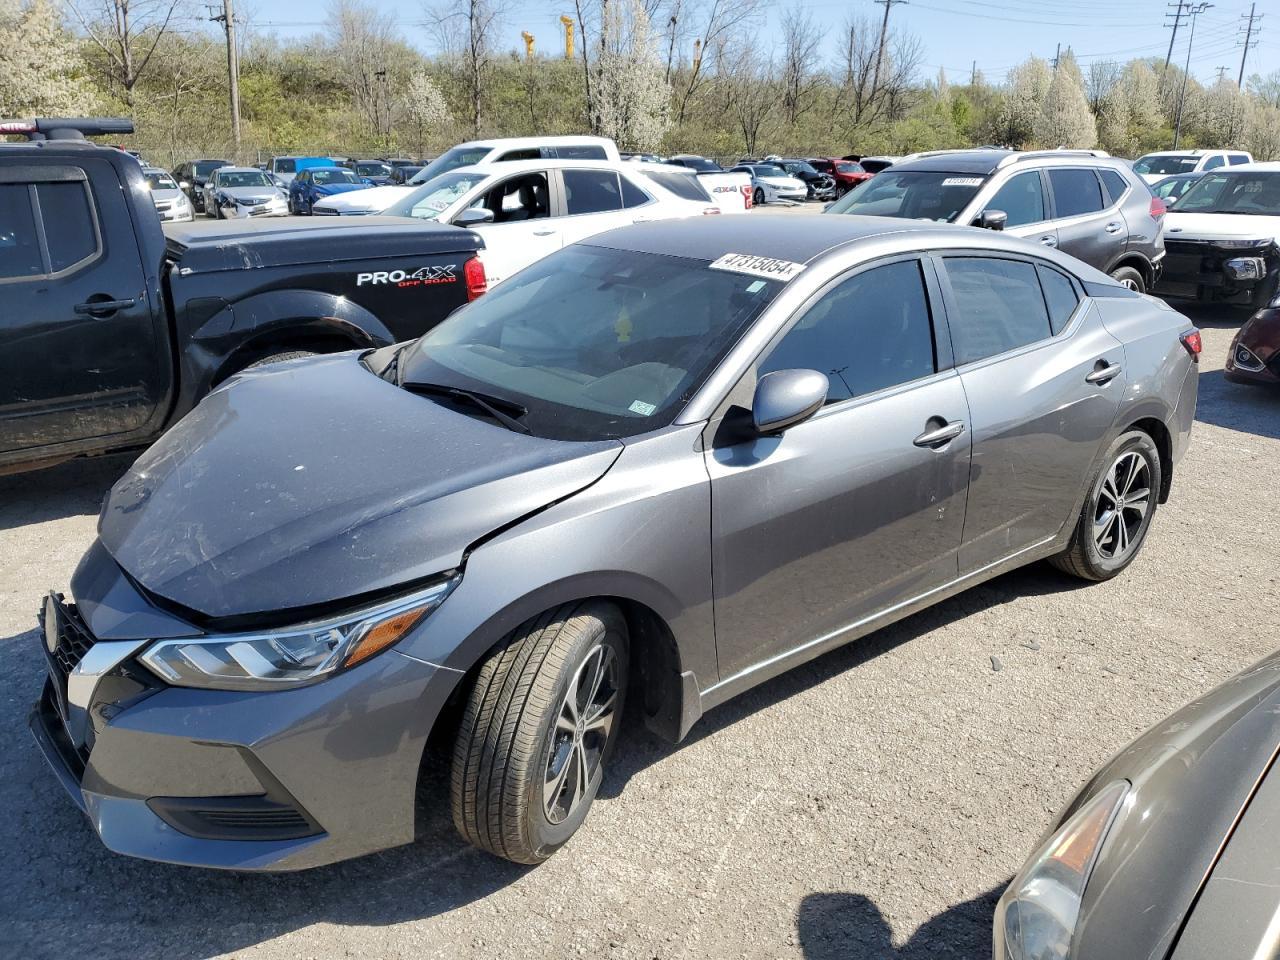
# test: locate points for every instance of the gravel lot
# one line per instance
(869, 805)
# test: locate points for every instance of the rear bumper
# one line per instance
(278, 781)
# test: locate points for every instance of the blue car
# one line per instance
(320, 182)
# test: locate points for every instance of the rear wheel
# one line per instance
(757, 198)
(1117, 512)
(538, 727)
(1129, 277)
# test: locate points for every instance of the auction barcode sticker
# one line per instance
(962, 182)
(765, 267)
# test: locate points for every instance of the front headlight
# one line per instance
(1036, 917)
(275, 659)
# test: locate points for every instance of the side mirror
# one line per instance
(787, 397)
(473, 216)
(366, 181)
(991, 220)
(184, 184)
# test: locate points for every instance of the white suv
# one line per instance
(1154, 167)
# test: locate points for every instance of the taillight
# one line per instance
(1158, 208)
(474, 275)
(746, 195)
(707, 211)
(1193, 344)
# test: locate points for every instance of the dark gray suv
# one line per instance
(1083, 202)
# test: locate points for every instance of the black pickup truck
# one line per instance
(112, 328)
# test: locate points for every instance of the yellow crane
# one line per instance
(528, 44)
(568, 36)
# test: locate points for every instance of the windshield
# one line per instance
(159, 181)
(1165, 163)
(451, 160)
(435, 197)
(372, 169)
(701, 164)
(848, 166)
(800, 166)
(594, 343)
(205, 167)
(244, 179)
(334, 176)
(1243, 193)
(913, 195)
(769, 170)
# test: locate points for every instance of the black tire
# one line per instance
(509, 740)
(757, 198)
(841, 191)
(1099, 549)
(1130, 277)
(278, 357)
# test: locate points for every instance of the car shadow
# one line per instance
(1242, 407)
(70, 489)
(849, 926)
(63, 885)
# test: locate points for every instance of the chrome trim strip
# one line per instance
(103, 657)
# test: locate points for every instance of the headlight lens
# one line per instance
(272, 660)
(1037, 915)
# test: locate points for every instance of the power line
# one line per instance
(884, 33)
(1194, 12)
(228, 20)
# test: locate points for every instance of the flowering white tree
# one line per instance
(1065, 120)
(41, 73)
(425, 106)
(630, 97)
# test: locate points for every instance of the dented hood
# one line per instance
(314, 481)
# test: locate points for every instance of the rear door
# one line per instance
(856, 509)
(1089, 227)
(84, 354)
(1043, 380)
(593, 203)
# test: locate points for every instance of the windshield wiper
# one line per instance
(489, 404)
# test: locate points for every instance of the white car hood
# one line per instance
(791, 183)
(371, 200)
(1220, 226)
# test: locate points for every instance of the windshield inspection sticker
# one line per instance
(962, 182)
(765, 267)
(642, 408)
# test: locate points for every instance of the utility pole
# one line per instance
(884, 34)
(228, 20)
(1194, 12)
(1057, 55)
(973, 74)
(1182, 8)
(1222, 72)
(1253, 17)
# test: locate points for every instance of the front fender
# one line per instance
(238, 329)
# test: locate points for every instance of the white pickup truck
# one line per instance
(730, 191)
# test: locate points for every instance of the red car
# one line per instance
(846, 173)
(1254, 356)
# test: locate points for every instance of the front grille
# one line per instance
(322, 212)
(74, 638)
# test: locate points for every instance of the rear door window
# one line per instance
(1075, 192)
(633, 196)
(999, 306)
(869, 332)
(19, 243)
(1021, 198)
(1237, 158)
(1214, 162)
(69, 225)
(585, 151)
(591, 191)
(683, 185)
(1059, 296)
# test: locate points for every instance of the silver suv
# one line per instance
(1083, 202)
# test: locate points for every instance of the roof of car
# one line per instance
(1190, 153)
(536, 141)
(799, 239)
(521, 166)
(1259, 166)
(230, 169)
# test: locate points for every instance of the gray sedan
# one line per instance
(666, 463)
(243, 192)
(1169, 850)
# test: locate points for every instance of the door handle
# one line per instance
(97, 308)
(1112, 227)
(1049, 240)
(940, 436)
(543, 233)
(1103, 373)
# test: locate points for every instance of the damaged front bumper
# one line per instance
(1227, 271)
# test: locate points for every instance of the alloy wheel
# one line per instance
(1129, 284)
(1122, 504)
(583, 721)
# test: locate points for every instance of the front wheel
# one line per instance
(1117, 511)
(757, 198)
(538, 727)
(1130, 278)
